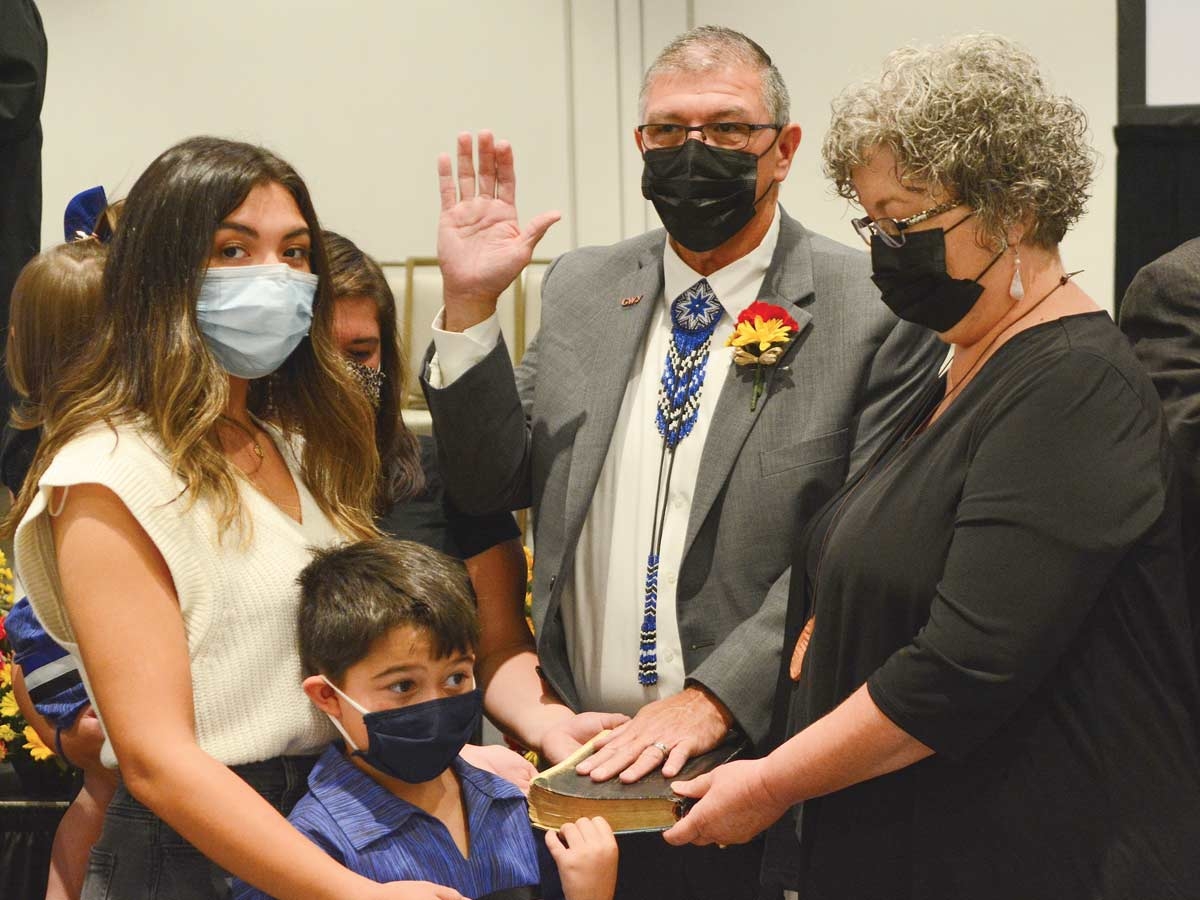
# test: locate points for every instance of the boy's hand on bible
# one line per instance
(507, 764)
(585, 852)
(561, 741)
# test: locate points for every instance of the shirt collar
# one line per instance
(366, 811)
(727, 283)
(485, 783)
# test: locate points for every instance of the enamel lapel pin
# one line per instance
(631, 301)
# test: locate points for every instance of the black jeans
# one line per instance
(140, 857)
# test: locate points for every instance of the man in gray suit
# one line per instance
(668, 484)
(1161, 315)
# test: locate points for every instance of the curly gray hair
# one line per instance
(713, 47)
(972, 118)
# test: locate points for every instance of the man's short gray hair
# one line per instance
(711, 47)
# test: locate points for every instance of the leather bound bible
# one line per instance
(558, 795)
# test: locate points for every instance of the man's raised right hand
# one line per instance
(481, 246)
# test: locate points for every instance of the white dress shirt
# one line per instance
(603, 602)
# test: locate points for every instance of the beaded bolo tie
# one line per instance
(694, 317)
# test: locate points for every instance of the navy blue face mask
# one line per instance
(416, 743)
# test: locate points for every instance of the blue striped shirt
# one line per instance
(51, 675)
(372, 832)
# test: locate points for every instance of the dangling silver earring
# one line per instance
(1016, 290)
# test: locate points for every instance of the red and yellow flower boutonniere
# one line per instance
(762, 333)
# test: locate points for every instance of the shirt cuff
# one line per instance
(455, 352)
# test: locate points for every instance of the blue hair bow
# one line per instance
(82, 213)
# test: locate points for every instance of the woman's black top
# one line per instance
(432, 519)
(1008, 583)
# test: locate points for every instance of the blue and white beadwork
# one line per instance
(648, 647)
(694, 317)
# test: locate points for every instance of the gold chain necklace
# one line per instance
(258, 450)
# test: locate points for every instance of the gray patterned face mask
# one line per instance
(368, 378)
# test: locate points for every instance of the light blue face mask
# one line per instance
(253, 317)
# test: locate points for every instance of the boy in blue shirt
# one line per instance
(387, 635)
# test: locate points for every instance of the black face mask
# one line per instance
(704, 195)
(914, 282)
(416, 743)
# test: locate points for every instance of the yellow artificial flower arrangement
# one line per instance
(760, 337)
(16, 735)
(8, 705)
(12, 725)
(34, 745)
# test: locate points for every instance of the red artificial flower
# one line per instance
(767, 311)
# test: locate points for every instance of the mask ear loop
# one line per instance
(995, 259)
(337, 724)
(770, 186)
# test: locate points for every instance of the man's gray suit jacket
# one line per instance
(539, 437)
(1161, 315)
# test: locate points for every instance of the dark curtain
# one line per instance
(1158, 194)
(1158, 160)
(22, 87)
(26, 837)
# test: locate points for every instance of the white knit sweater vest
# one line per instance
(239, 599)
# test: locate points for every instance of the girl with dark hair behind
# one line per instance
(365, 331)
(164, 521)
(412, 502)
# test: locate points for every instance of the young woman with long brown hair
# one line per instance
(164, 521)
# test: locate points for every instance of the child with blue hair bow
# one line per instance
(54, 305)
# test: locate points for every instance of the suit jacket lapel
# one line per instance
(788, 283)
(610, 343)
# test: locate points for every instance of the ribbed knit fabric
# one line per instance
(239, 598)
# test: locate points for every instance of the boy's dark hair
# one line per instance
(352, 595)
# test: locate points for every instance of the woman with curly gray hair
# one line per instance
(995, 694)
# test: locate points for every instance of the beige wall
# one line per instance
(821, 47)
(362, 95)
